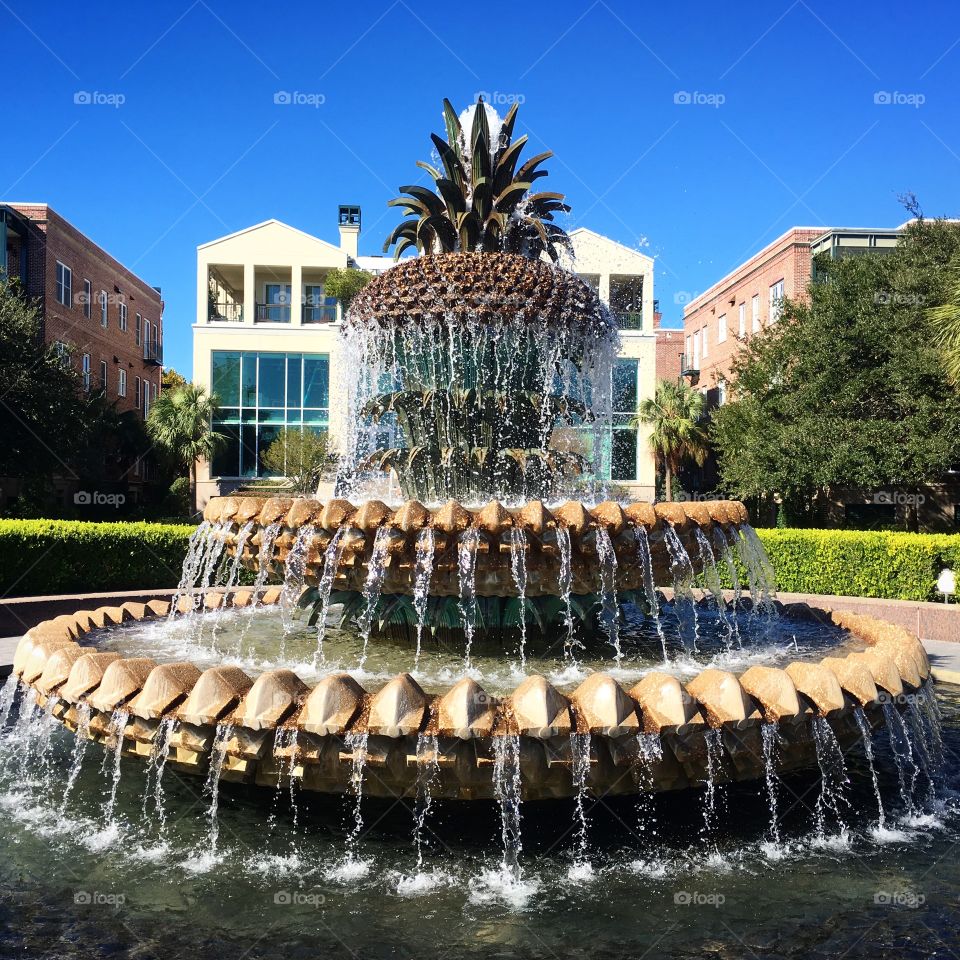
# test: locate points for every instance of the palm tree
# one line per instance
(180, 424)
(946, 324)
(675, 413)
(481, 200)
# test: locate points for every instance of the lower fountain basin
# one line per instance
(632, 729)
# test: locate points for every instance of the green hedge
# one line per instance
(64, 556)
(67, 556)
(902, 566)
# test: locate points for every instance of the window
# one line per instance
(138, 330)
(687, 352)
(755, 313)
(318, 308)
(87, 298)
(85, 369)
(139, 394)
(103, 308)
(63, 353)
(742, 320)
(260, 393)
(626, 399)
(696, 350)
(121, 382)
(64, 284)
(722, 328)
(146, 335)
(103, 376)
(776, 301)
(146, 399)
(123, 316)
(703, 339)
(276, 303)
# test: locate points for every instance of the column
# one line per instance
(249, 293)
(296, 294)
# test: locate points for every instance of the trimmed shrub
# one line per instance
(65, 556)
(855, 563)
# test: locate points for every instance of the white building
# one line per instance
(267, 341)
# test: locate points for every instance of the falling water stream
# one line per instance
(331, 562)
(467, 569)
(518, 570)
(422, 575)
(507, 790)
(376, 573)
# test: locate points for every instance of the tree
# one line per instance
(848, 390)
(43, 412)
(675, 415)
(945, 320)
(301, 456)
(345, 284)
(170, 379)
(180, 424)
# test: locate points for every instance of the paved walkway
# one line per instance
(944, 660)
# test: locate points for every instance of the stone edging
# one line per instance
(320, 726)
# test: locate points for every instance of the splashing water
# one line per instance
(711, 578)
(467, 568)
(356, 745)
(683, 596)
(376, 573)
(199, 543)
(902, 751)
(285, 745)
(218, 754)
(649, 587)
(423, 574)
(770, 736)
(649, 753)
(729, 561)
(428, 768)
(264, 559)
(580, 771)
(7, 696)
(518, 569)
(295, 573)
(566, 586)
(609, 606)
(80, 741)
(118, 724)
(833, 777)
(714, 743)
(331, 562)
(867, 738)
(158, 759)
(507, 789)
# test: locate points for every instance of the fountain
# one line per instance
(501, 555)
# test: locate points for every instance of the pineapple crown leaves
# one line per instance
(480, 200)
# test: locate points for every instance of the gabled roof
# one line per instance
(585, 231)
(270, 223)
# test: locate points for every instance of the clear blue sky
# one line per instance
(786, 130)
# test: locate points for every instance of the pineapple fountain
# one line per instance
(564, 670)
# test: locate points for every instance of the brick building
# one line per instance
(109, 321)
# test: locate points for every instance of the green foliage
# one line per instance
(675, 416)
(177, 502)
(345, 284)
(848, 391)
(482, 200)
(855, 563)
(64, 556)
(301, 456)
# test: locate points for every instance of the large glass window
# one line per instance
(64, 284)
(626, 399)
(260, 393)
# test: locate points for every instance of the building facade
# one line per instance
(267, 342)
(107, 321)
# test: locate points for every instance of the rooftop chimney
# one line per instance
(349, 221)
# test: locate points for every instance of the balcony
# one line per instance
(319, 314)
(629, 319)
(153, 353)
(228, 312)
(690, 367)
(273, 313)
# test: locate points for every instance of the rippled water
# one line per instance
(76, 886)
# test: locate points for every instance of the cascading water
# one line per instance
(684, 599)
(649, 587)
(726, 552)
(356, 746)
(649, 753)
(295, 572)
(518, 570)
(609, 606)
(428, 768)
(423, 574)
(159, 755)
(711, 579)
(713, 741)
(833, 777)
(507, 789)
(265, 557)
(376, 572)
(331, 562)
(866, 737)
(81, 739)
(118, 724)
(566, 585)
(902, 751)
(770, 736)
(580, 772)
(467, 570)
(193, 563)
(218, 755)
